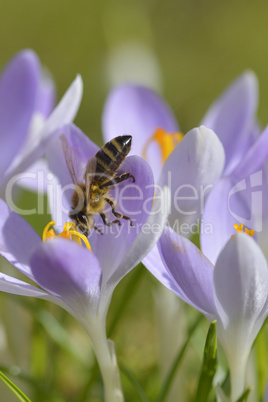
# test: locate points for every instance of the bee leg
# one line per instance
(118, 214)
(118, 179)
(103, 216)
(98, 230)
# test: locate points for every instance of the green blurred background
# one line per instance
(188, 51)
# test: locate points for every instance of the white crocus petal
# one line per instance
(141, 246)
(190, 172)
(64, 113)
(240, 289)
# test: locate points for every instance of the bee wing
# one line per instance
(90, 173)
(73, 160)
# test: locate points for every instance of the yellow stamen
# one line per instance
(69, 232)
(250, 232)
(239, 228)
(48, 233)
(74, 233)
(166, 141)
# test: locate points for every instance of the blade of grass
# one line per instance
(261, 345)
(133, 380)
(244, 396)
(37, 386)
(168, 381)
(209, 365)
(19, 394)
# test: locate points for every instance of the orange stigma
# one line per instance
(239, 228)
(69, 232)
(166, 141)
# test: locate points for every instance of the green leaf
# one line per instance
(168, 381)
(261, 345)
(209, 365)
(244, 396)
(20, 395)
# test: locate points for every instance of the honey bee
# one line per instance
(93, 183)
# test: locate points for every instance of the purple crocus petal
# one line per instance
(18, 93)
(17, 239)
(138, 111)
(190, 172)
(191, 271)
(46, 96)
(254, 158)
(263, 234)
(226, 205)
(238, 198)
(61, 184)
(232, 117)
(153, 262)
(147, 239)
(70, 272)
(135, 201)
(12, 285)
(64, 113)
(240, 289)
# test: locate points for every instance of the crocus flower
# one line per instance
(237, 197)
(141, 112)
(240, 194)
(232, 117)
(27, 121)
(79, 280)
(233, 292)
(189, 165)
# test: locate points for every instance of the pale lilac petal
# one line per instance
(64, 113)
(147, 239)
(191, 271)
(135, 201)
(190, 172)
(153, 262)
(137, 111)
(17, 239)
(35, 177)
(61, 185)
(239, 198)
(226, 205)
(12, 285)
(18, 93)
(70, 272)
(254, 159)
(47, 95)
(232, 117)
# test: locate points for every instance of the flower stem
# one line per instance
(105, 355)
(237, 376)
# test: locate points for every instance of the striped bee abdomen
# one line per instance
(112, 154)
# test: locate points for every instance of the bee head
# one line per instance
(81, 221)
